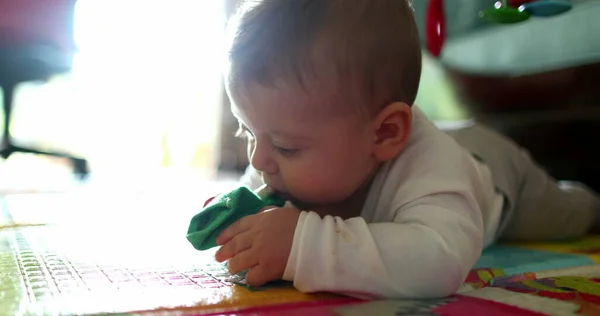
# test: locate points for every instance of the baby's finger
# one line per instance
(258, 276)
(242, 261)
(236, 245)
(242, 225)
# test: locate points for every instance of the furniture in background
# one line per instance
(36, 42)
(536, 81)
(555, 115)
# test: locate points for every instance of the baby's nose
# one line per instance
(262, 160)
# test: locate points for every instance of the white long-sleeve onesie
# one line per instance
(428, 215)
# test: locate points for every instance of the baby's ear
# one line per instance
(391, 129)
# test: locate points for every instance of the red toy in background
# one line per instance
(503, 12)
(435, 27)
(517, 3)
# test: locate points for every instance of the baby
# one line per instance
(381, 202)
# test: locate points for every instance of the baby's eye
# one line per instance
(285, 151)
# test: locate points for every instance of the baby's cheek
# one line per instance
(305, 184)
(316, 186)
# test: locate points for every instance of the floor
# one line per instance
(23, 173)
(115, 245)
(124, 253)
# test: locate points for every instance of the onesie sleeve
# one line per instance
(425, 252)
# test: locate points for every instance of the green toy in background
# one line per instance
(504, 12)
(224, 210)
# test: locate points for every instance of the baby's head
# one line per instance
(323, 89)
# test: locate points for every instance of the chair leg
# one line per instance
(79, 165)
(7, 100)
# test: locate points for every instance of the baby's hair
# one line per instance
(368, 49)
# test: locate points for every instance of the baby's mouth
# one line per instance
(290, 198)
(282, 195)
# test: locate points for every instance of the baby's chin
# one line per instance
(303, 205)
(297, 203)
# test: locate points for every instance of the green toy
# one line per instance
(225, 210)
(502, 13)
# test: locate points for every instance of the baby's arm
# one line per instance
(426, 251)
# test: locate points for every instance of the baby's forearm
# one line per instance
(391, 260)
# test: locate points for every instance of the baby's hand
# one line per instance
(261, 243)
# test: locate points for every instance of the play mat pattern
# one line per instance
(103, 266)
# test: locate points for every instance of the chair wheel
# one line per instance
(80, 168)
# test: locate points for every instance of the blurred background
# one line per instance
(144, 97)
(143, 94)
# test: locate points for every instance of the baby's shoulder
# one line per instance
(430, 159)
(431, 150)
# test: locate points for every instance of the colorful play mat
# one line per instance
(127, 255)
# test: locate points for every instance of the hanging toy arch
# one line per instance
(504, 12)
